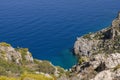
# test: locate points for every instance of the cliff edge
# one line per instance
(104, 41)
(99, 54)
(18, 64)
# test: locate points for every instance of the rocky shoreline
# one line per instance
(16, 62)
(98, 54)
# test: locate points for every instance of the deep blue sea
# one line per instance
(49, 27)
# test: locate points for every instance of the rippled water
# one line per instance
(49, 27)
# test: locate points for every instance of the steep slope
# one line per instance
(18, 55)
(106, 40)
(15, 62)
(99, 54)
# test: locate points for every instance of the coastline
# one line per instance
(98, 55)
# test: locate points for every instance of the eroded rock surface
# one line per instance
(106, 40)
(10, 54)
(99, 54)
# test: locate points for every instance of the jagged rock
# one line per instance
(29, 57)
(116, 26)
(108, 75)
(84, 46)
(22, 61)
(104, 75)
(10, 54)
(99, 65)
(101, 41)
(110, 61)
(103, 52)
(100, 52)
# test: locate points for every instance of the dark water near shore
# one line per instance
(49, 27)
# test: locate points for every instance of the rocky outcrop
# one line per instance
(99, 54)
(16, 61)
(98, 67)
(110, 61)
(108, 75)
(84, 46)
(106, 40)
(10, 54)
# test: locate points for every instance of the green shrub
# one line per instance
(82, 59)
(87, 36)
(36, 61)
(23, 52)
(117, 67)
(7, 78)
(5, 44)
(12, 67)
(99, 36)
(3, 53)
(45, 67)
(2, 71)
(27, 76)
(61, 70)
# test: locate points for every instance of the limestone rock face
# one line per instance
(15, 61)
(102, 50)
(116, 26)
(99, 67)
(104, 75)
(84, 46)
(11, 54)
(110, 61)
(28, 57)
(101, 41)
(108, 75)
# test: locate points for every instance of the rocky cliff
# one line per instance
(99, 54)
(106, 40)
(14, 62)
(18, 55)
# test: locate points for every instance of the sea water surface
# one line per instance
(49, 27)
